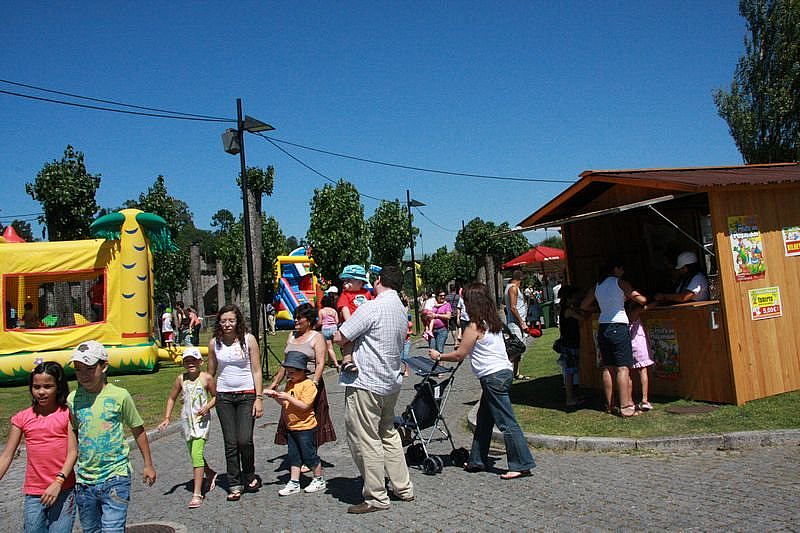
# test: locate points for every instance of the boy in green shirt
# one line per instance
(98, 411)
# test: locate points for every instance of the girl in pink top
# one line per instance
(329, 321)
(51, 450)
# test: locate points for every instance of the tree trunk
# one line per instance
(197, 280)
(220, 286)
(489, 265)
(254, 208)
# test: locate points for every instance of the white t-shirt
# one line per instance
(699, 286)
(166, 322)
(489, 355)
(234, 370)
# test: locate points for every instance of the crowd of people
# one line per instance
(77, 454)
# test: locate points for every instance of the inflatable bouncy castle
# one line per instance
(295, 284)
(59, 294)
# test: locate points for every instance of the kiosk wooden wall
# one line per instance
(765, 354)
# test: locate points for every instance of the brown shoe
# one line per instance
(363, 508)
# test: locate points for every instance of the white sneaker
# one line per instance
(317, 484)
(293, 487)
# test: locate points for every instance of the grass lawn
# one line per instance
(539, 405)
(538, 402)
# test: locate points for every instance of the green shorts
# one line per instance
(196, 449)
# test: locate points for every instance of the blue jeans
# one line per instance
(406, 351)
(439, 337)
(235, 412)
(302, 450)
(104, 507)
(495, 409)
(57, 518)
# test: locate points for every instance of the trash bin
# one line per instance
(547, 313)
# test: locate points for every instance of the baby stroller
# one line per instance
(423, 421)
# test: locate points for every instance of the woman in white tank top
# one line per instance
(613, 335)
(483, 341)
(233, 359)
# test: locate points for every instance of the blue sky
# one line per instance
(535, 89)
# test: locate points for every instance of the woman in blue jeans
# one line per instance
(233, 358)
(483, 341)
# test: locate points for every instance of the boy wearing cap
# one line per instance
(353, 294)
(297, 400)
(692, 285)
(199, 396)
(98, 411)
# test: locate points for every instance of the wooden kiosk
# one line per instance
(744, 224)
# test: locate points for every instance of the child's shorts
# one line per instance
(568, 360)
(168, 336)
(328, 332)
(196, 449)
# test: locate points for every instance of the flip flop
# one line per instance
(234, 496)
(628, 411)
(196, 501)
(254, 485)
(212, 483)
(645, 406)
(516, 475)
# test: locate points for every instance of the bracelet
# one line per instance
(61, 475)
(59, 480)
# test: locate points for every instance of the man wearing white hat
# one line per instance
(692, 285)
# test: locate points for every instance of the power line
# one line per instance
(309, 167)
(125, 111)
(113, 102)
(418, 169)
(22, 215)
(434, 223)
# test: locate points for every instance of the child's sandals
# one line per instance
(196, 501)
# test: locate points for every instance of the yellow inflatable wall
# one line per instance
(111, 281)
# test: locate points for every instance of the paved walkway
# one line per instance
(741, 490)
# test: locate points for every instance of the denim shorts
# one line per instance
(568, 360)
(614, 341)
(328, 332)
(302, 450)
(58, 518)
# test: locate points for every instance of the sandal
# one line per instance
(212, 482)
(349, 367)
(234, 496)
(628, 411)
(254, 485)
(520, 377)
(472, 468)
(196, 501)
(645, 406)
(516, 475)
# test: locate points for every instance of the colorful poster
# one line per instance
(791, 240)
(664, 349)
(765, 303)
(748, 251)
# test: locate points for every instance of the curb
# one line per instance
(738, 440)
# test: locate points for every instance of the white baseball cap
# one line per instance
(686, 258)
(89, 353)
(192, 352)
(332, 290)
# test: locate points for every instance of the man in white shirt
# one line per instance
(377, 330)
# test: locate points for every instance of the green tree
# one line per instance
(260, 182)
(337, 231)
(438, 269)
(171, 269)
(762, 108)
(229, 237)
(67, 194)
(554, 241)
(388, 233)
(273, 244)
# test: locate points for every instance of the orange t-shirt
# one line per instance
(300, 419)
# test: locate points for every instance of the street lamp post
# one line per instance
(233, 141)
(413, 203)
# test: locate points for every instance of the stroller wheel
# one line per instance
(430, 466)
(459, 456)
(439, 463)
(415, 453)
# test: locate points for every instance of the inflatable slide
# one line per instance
(295, 284)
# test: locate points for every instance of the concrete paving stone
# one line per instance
(747, 489)
(680, 442)
(601, 444)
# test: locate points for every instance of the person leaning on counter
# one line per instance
(692, 283)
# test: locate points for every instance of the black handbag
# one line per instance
(514, 346)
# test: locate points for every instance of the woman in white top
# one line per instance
(483, 342)
(613, 335)
(233, 358)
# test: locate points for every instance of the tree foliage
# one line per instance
(229, 236)
(388, 233)
(762, 108)
(554, 241)
(172, 268)
(67, 194)
(337, 231)
(438, 269)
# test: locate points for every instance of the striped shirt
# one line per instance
(378, 331)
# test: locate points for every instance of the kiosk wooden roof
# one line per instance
(613, 212)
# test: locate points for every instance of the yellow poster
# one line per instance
(765, 303)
